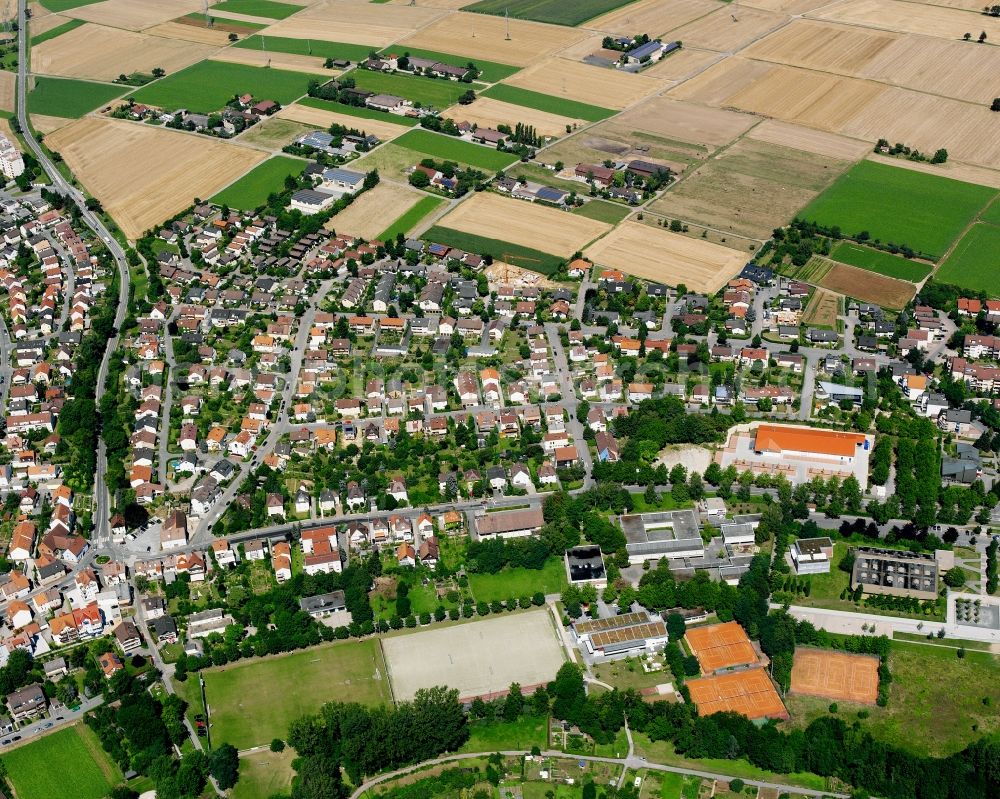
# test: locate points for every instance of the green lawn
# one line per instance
(497, 736)
(207, 86)
(992, 213)
(316, 47)
(546, 102)
(265, 774)
(882, 262)
(557, 12)
(35, 771)
(490, 71)
(602, 211)
(935, 700)
(251, 191)
(60, 97)
(59, 30)
(66, 5)
(439, 146)
(671, 784)
(924, 212)
(519, 582)
(253, 702)
(424, 207)
(437, 92)
(973, 263)
(514, 254)
(358, 111)
(257, 8)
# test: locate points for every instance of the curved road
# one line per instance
(101, 514)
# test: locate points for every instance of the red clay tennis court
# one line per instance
(835, 675)
(750, 693)
(720, 646)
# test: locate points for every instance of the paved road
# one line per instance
(29, 732)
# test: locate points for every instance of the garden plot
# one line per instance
(143, 175)
(573, 80)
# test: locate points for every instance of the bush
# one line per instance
(736, 785)
(277, 745)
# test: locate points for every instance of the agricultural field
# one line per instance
(424, 207)
(602, 211)
(881, 262)
(275, 132)
(502, 251)
(556, 12)
(8, 87)
(323, 113)
(144, 174)
(57, 6)
(307, 47)
(575, 81)
(925, 212)
(366, 216)
(861, 284)
(134, 15)
(98, 52)
(973, 264)
(257, 8)
(718, 31)
(903, 17)
(528, 224)
(252, 189)
(750, 189)
(374, 24)
(439, 146)
(992, 213)
(286, 61)
(252, 702)
(809, 140)
(488, 112)
(543, 102)
(44, 32)
(822, 310)
(427, 91)
(192, 30)
(686, 122)
(208, 86)
(652, 16)
(29, 767)
(656, 254)
(71, 99)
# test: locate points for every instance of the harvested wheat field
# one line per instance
(721, 81)
(355, 23)
(528, 224)
(657, 254)
(822, 46)
(682, 64)
(487, 112)
(654, 17)
(8, 131)
(560, 77)
(482, 36)
(321, 118)
(822, 309)
(46, 23)
(967, 131)
(190, 33)
(867, 286)
(750, 189)
(785, 6)
(687, 122)
(904, 17)
(719, 31)
(143, 174)
(447, 5)
(135, 15)
(835, 675)
(46, 124)
(374, 210)
(97, 52)
(809, 140)
(259, 58)
(8, 81)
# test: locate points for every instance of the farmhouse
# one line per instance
(387, 102)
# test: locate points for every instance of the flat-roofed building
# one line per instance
(667, 534)
(895, 572)
(812, 555)
(625, 634)
(585, 564)
(323, 604)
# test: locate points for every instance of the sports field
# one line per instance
(924, 212)
(35, 769)
(427, 91)
(557, 12)
(209, 85)
(975, 261)
(749, 692)
(251, 191)
(506, 251)
(720, 646)
(252, 702)
(477, 658)
(257, 8)
(882, 262)
(835, 675)
(544, 102)
(450, 148)
(489, 71)
(409, 219)
(71, 99)
(315, 47)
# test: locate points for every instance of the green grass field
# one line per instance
(71, 99)
(519, 582)
(406, 221)
(253, 702)
(257, 8)
(546, 102)
(207, 86)
(973, 262)
(59, 30)
(992, 213)
(358, 111)
(602, 211)
(316, 47)
(265, 774)
(557, 12)
(34, 773)
(449, 148)
(426, 91)
(924, 212)
(251, 191)
(524, 733)
(490, 71)
(66, 5)
(514, 254)
(881, 262)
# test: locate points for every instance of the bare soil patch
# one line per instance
(868, 286)
(375, 210)
(610, 88)
(657, 254)
(143, 174)
(822, 309)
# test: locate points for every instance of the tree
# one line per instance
(995, 105)
(675, 626)
(277, 745)
(982, 37)
(224, 765)
(159, 72)
(233, 37)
